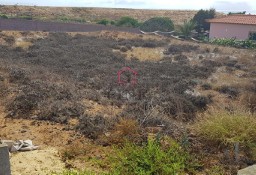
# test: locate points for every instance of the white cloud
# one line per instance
(160, 4)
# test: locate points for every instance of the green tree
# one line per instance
(187, 27)
(235, 13)
(200, 19)
(162, 24)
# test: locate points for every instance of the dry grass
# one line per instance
(23, 44)
(95, 14)
(94, 108)
(219, 126)
(145, 54)
(123, 131)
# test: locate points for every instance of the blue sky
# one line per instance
(220, 5)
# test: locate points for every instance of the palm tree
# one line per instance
(187, 28)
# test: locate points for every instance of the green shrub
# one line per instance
(103, 22)
(26, 17)
(127, 21)
(74, 172)
(227, 128)
(234, 42)
(162, 24)
(152, 158)
(3, 16)
(66, 19)
(112, 22)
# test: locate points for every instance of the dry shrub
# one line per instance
(248, 97)
(178, 48)
(223, 130)
(249, 100)
(226, 128)
(93, 126)
(233, 92)
(74, 150)
(206, 86)
(124, 49)
(123, 131)
(60, 76)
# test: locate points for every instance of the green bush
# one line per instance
(227, 128)
(127, 21)
(74, 172)
(150, 159)
(162, 24)
(234, 43)
(112, 22)
(103, 22)
(66, 19)
(3, 16)
(26, 17)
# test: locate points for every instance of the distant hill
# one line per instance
(77, 14)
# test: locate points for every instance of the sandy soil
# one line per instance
(38, 162)
(51, 138)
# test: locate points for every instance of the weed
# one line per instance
(227, 128)
(123, 131)
(249, 100)
(75, 172)
(216, 170)
(93, 126)
(152, 158)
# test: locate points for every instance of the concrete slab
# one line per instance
(251, 170)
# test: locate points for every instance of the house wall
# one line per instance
(239, 31)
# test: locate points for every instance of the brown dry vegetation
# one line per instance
(94, 14)
(71, 79)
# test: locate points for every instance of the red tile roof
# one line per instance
(235, 19)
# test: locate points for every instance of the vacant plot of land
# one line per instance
(53, 77)
(71, 79)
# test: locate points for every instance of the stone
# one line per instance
(5, 167)
(251, 170)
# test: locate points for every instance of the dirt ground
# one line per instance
(50, 137)
(37, 162)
